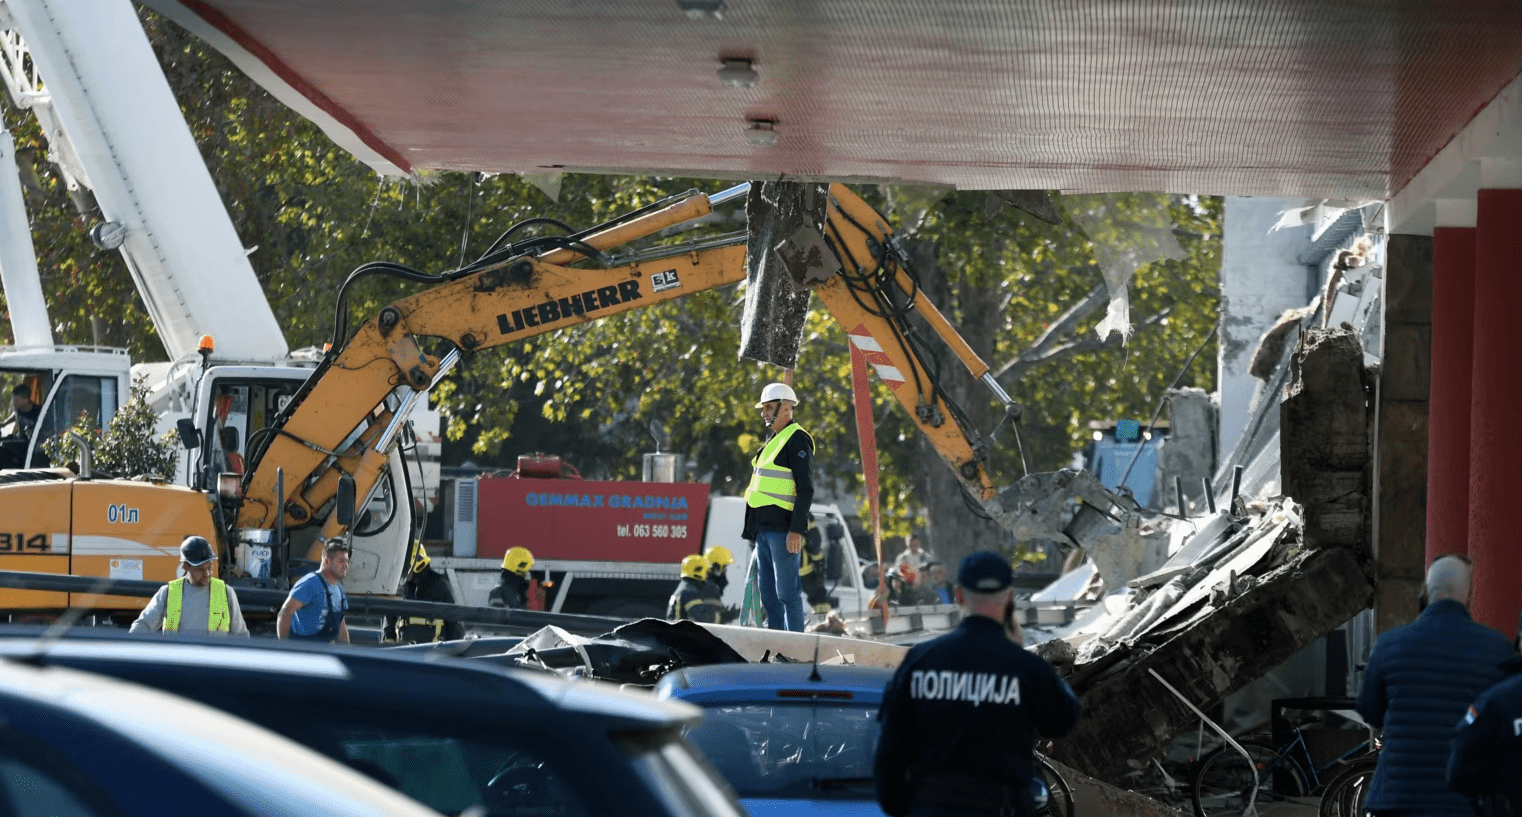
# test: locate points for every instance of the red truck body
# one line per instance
(589, 520)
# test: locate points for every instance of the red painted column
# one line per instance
(1453, 251)
(1495, 431)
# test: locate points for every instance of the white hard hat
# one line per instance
(777, 391)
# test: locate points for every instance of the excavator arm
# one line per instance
(347, 418)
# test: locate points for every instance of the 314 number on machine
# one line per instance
(24, 542)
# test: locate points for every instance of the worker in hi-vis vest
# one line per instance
(777, 503)
(197, 602)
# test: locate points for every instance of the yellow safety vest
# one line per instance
(217, 620)
(771, 484)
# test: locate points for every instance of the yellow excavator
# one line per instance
(314, 470)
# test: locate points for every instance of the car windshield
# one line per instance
(805, 749)
(684, 783)
(451, 767)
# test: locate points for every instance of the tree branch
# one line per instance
(1013, 370)
(1060, 328)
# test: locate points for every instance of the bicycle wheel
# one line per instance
(1223, 781)
(1345, 792)
(1059, 798)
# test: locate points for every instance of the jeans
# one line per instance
(781, 591)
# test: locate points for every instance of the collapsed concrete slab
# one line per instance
(1285, 574)
(1128, 716)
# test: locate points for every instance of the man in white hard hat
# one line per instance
(777, 505)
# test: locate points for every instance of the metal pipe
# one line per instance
(724, 196)
(694, 206)
(1236, 484)
(446, 365)
(284, 546)
(998, 390)
(82, 447)
(1209, 494)
(263, 600)
(404, 411)
(1178, 490)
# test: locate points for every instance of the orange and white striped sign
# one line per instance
(873, 353)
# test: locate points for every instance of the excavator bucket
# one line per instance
(786, 256)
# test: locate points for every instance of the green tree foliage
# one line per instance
(1025, 294)
(128, 447)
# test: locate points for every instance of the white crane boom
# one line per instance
(114, 126)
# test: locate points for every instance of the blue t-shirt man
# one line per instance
(314, 609)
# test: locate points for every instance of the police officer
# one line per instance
(1486, 762)
(512, 588)
(197, 602)
(960, 714)
(694, 598)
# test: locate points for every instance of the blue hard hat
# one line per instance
(196, 551)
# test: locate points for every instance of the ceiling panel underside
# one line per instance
(1331, 99)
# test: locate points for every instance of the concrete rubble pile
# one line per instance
(1211, 604)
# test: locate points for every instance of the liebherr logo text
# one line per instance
(576, 305)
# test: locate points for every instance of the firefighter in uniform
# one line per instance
(425, 584)
(196, 600)
(960, 714)
(777, 502)
(811, 574)
(694, 599)
(512, 590)
(719, 559)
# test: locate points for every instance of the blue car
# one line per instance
(798, 739)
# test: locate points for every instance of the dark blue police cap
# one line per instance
(985, 572)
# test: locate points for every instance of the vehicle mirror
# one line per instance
(190, 436)
(344, 502)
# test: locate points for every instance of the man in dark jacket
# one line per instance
(777, 503)
(1486, 762)
(960, 714)
(1420, 679)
